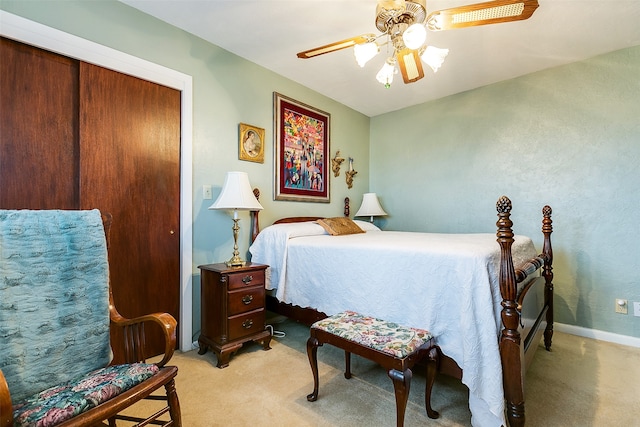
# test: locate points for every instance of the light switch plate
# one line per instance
(206, 192)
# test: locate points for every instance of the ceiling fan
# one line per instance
(403, 25)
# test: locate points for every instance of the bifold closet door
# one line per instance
(38, 128)
(130, 166)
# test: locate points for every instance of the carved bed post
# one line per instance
(547, 272)
(255, 224)
(510, 340)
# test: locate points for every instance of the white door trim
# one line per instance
(35, 34)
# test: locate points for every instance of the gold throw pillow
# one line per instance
(339, 226)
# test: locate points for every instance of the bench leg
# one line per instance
(432, 371)
(312, 353)
(401, 387)
(347, 364)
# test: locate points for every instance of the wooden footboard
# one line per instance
(516, 350)
(527, 308)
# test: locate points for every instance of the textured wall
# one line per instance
(227, 90)
(568, 137)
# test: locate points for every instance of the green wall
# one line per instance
(227, 90)
(568, 137)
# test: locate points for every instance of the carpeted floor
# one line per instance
(582, 382)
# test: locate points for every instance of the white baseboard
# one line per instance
(598, 335)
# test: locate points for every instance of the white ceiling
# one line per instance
(271, 32)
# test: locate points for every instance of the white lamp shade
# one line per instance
(414, 36)
(434, 57)
(370, 206)
(385, 75)
(364, 52)
(237, 194)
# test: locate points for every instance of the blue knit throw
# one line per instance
(54, 298)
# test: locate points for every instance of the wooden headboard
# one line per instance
(255, 222)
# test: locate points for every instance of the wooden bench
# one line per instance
(394, 347)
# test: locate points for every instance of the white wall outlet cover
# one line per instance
(636, 309)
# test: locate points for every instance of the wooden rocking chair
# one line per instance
(56, 311)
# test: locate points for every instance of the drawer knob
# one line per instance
(247, 299)
(247, 324)
(247, 279)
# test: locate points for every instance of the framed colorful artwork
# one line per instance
(251, 143)
(301, 149)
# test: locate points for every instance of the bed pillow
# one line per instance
(339, 226)
(366, 226)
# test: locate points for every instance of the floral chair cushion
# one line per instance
(388, 337)
(57, 404)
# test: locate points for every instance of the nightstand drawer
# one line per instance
(244, 279)
(246, 324)
(244, 300)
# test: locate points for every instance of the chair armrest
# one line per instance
(6, 411)
(166, 322)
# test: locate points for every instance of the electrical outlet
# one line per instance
(206, 192)
(636, 309)
(621, 306)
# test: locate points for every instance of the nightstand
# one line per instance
(232, 303)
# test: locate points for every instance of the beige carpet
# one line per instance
(582, 382)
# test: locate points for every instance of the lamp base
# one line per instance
(236, 262)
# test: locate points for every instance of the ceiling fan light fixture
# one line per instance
(385, 75)
(435, 22)
(394, 6)
(364, 52)
(434, 57)
(405, 23)
(414, 36)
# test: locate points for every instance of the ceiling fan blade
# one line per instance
(332, 47)
(410, 65)
(472, 15)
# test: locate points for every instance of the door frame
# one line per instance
(24, 30)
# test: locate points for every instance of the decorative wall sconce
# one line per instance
(335, 163)
(349, 174)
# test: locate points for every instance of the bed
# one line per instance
(488, 304)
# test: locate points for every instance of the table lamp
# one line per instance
(236, 195)
(370, 206)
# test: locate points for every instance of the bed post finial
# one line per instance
(255, 224)
(510, 339)
(347, 208)
(503, 205)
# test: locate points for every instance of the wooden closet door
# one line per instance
(38, 128)
(130, 167)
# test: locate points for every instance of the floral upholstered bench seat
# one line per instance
(61, 403)
(396, 348)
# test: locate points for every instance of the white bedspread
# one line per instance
(447, 283)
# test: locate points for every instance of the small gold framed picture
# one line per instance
(251, 144)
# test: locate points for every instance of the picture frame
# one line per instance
(250, 143)
(302, 156)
